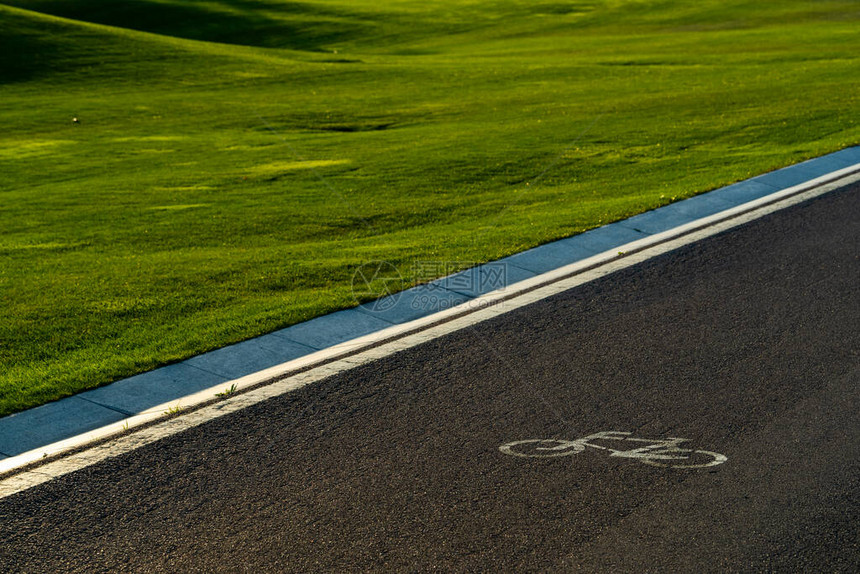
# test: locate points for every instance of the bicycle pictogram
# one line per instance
(665, 453)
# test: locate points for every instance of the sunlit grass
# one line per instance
(234, 162)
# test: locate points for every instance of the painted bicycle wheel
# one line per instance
(542, 448)
(685, 459)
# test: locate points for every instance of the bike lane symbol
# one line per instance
(666, 453)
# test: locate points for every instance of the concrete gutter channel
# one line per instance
(68, 423)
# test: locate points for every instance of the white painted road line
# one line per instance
(348, 355)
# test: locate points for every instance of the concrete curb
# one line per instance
(69, 423)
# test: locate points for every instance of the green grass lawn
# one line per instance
(236, 160)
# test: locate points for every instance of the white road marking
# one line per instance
(665, 453)
(284, 378)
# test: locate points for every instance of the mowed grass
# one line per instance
(235, 161)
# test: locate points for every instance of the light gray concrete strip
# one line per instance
(413, 304)
(249, 356)
(497, 274)
(607, 237)
(787, 177)
(486, 278)
(848, 156)
(743, 191)
(826, 164)
(332, 329)
(144, 391)
(49, 423)
(549, 256)
(659, 220)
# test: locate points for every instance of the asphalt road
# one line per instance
(748, 344)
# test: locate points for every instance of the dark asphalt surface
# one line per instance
(748, 344)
